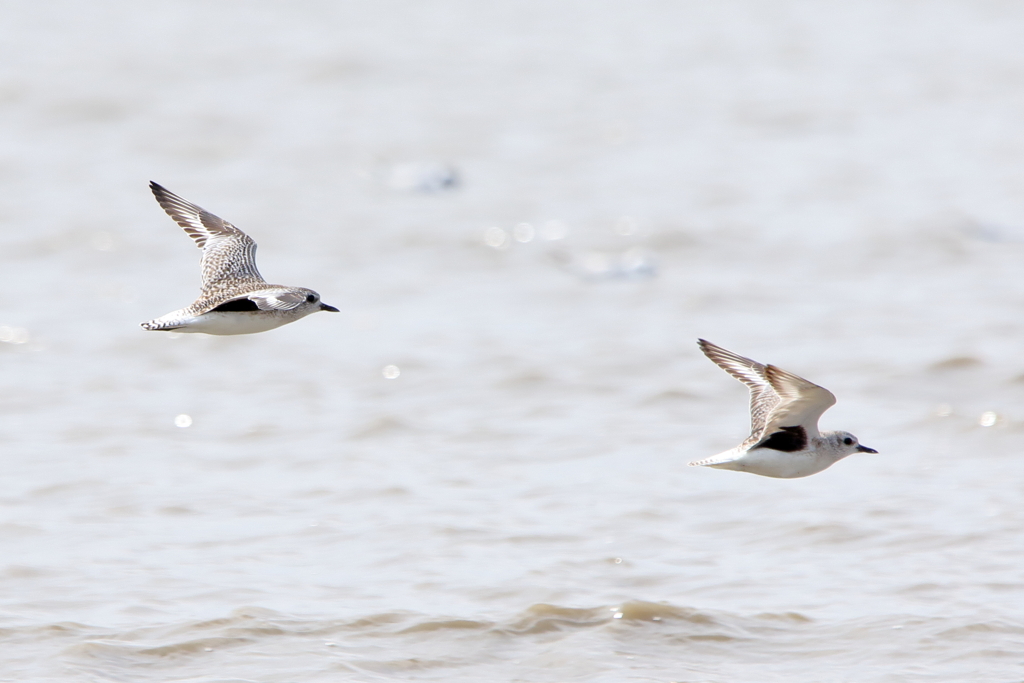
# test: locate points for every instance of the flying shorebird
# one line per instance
(784, 441)
(235, 299)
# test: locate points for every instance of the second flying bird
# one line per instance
(784, 440)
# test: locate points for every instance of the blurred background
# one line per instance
(527, 213)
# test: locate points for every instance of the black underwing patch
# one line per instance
(787, 439)
(238, 305)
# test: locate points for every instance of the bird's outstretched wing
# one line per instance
(778, 399)
(801, 402)
(229, 255)
(763, 397)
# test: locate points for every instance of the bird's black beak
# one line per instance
(325, 307)
(865, 449)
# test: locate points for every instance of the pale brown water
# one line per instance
(835, 190)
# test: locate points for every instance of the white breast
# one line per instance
(236, 322)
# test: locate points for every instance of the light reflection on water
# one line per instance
(13, 335)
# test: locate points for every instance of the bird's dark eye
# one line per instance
(311, 298)
(848, 441)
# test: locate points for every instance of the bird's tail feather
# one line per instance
(721, 461)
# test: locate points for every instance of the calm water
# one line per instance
(839, 191)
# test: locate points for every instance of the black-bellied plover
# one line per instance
(235, 299)
(784, 441)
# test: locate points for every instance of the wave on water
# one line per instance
(542, 643)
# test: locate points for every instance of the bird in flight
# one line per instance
(784, 441)
(234, 299)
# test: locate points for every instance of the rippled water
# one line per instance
(527, 214)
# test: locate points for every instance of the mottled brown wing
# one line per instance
(229, 255)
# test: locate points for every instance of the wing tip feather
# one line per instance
(729, 360)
